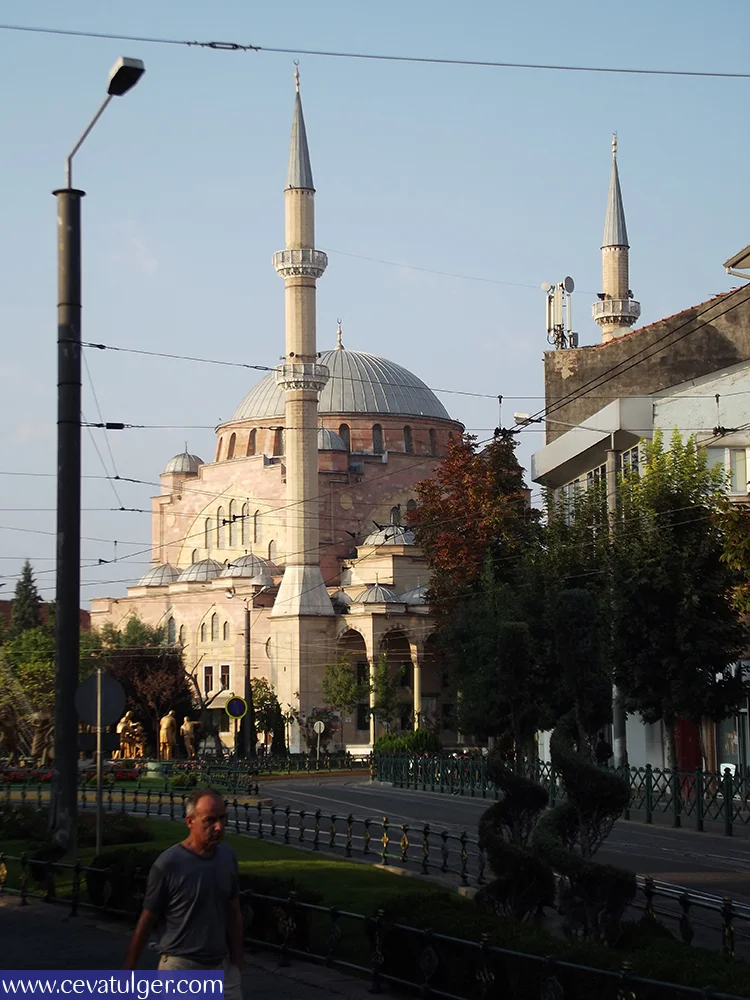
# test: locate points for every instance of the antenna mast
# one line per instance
(560, 314)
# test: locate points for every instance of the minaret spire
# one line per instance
(616, 311)
(299, 175)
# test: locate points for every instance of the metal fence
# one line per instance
(388, 954)
(687, 797)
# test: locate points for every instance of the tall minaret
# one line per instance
(302, 592)
(616, 310)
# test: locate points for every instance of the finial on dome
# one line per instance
(186, 448)
(296, 74)
(339, 337)
(614, 145)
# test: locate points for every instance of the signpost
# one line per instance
(319, 728)
(100, 701)
(236, 708)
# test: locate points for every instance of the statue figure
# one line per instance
(9, 733)
(124, 731)
(42, 723)
(138, 740)
(188, 733)
(168, 736)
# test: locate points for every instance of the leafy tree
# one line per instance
(268, 714)
(341, 690)
(26, 611)
(734, 523)
(676, 627)
(386, 687)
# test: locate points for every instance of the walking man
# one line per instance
(192, 896)
(602, 751)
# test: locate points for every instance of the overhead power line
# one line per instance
(380, 56)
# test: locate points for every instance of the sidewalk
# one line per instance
(43, 936)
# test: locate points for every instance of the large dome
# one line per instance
(359, 383)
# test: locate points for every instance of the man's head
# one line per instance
(187, 719)
(206, 817)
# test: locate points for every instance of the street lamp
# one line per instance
(249, 730)
(123, 76)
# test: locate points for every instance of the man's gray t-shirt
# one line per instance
(190, 895)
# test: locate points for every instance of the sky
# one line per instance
(496, 176)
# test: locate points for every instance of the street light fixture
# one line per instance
(123, 76)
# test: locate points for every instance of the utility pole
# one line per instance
(248, 723)
(619, 715)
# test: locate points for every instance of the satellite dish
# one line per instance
(569, 284)
(546, 287)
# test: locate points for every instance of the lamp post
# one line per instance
(249, 732)
(123, 76)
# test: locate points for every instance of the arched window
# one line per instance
(194, 556)
(203, 632)
(245, 527)
(433, 442)
(377, 439)
(272, 552)
(257, 527)
(278, 441)
(396, 514)
(171, 632)
(232, 524)
(408, 441)
(220, 528)
(410, 506)
(182, 635)
(232, 445)
(207, 532)
(218, 449)
(251, 438)
(214, 627)
(226, 631)
(346, 436)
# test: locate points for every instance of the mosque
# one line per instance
(291, 546)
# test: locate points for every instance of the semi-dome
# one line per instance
(377, 594)
(183, 464)
(159, 576)
(416, 596)
(248, 567)
(358, 383)
(391, 534)
(329, 440)
(201, 572)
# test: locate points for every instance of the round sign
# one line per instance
(236, 708)
(113, 700)
(319, 727)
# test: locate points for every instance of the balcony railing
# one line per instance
(616, 309)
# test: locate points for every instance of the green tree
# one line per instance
(26, 611)
(386, 688)
(341, 690)
(676, 629)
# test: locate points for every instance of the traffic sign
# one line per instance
(113, 700)
(236, 708)
(319, 727)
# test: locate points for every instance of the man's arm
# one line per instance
(139, 940)
(235, 934)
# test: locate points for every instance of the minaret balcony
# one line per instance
(302, 375)
(302, 263)
(622, 311)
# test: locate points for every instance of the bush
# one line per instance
(41, 864)
(22, 822)
(418, 742)
(264, 920)
(185, 780)
(120, 882)
(524, 884)
(117, 828)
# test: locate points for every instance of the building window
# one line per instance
(272, 552)
(595, 475)
(408, 441)
(257, 527)
(630, 461)
(278, 441)
(203, 632)
(245, 527)
(411, 506)
(734, 461)
(395, 515)
(218, 449)
(226, 632)
(346, 436)
(208, 679)
(363, 712)
(251, 439)
(363, 673)
(214, 628)
(232, 446)
(448, 717)
(220, 528)
(182, 635)
(377, 439)
(224, 676)
(232, 524)
(433, 442)
(171, 632)
(406, 720)
(194, 556)
(207, 539)
(223, 722)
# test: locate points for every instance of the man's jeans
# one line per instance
(232, 975)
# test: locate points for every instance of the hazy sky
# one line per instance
(492, 174)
